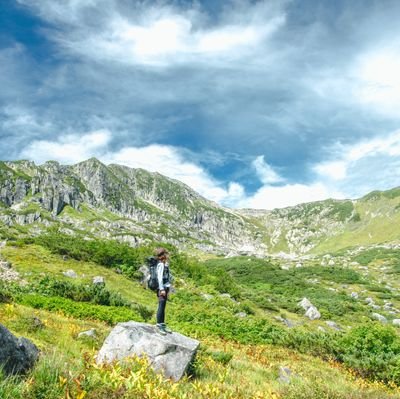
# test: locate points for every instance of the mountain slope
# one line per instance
(132, 205)
(136, 206)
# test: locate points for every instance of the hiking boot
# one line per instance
(166, 329)
(161, 329)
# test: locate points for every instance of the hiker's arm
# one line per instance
(160, 273)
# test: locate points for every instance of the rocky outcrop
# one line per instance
(17, 355)
(139, 204)
(170, 354)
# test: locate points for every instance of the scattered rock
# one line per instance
(311, 311)
(170, 354)
(17, 355)
(65, 258)
(5, 265)
(207, 297)
(322, 329)
(333, 325)
(369, 300)
(354, 295)
(241, 315)
(70, 273)
(284, 375)
(396, 322)
(287, 322)
(89, 333)
(99, 280)
(379, 317)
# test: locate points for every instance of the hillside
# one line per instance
(301, 302)
(138, 207)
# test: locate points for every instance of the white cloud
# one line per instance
(364, 166)
(160, 34)
(379, 80)
(69, 148)
(270, 197)
(265, 172)
(335, 170)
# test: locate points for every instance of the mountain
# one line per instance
(136, 206)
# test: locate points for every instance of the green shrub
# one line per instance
(373, 350)
(80, 310)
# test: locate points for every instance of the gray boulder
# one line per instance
(98, 280)
(170, 354)
(379, 317)
(70, 273)
(17, 355)
(311, 311)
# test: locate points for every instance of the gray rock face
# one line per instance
(170, 354)
(17, 355)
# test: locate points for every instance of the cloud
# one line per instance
(364, 166)
(68, 149)
(160, 34)
(270, 197)
(379, 80)
(265, 172)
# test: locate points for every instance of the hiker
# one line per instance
(164, 284)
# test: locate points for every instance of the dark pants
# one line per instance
(162, 302)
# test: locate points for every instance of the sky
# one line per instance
(253, 104)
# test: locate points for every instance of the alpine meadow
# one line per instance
(301, 302)
(199, 199)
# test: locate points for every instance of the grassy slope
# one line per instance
(252, 372)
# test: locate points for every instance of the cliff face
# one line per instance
(115, 201)
(136, 206)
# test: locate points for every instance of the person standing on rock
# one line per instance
(164, 284)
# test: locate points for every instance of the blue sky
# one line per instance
(259, 104)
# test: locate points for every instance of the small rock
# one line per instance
(322, 329)
(313, 313)
(369, 300)
(70, 273)
(99, 280)
(354, 295)
(65, 258)
(284, 375)
(241, 315)
(89, 333)
(207, 297)
(396, 322)
(333, 325)
(379, 317)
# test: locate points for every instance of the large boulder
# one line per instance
(17, 355)
(171, 354)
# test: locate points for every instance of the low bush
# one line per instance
(80, 310)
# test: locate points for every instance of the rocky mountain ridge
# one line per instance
(136, 206)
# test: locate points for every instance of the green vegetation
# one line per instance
(247, 349)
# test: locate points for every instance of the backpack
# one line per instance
(152, 282)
